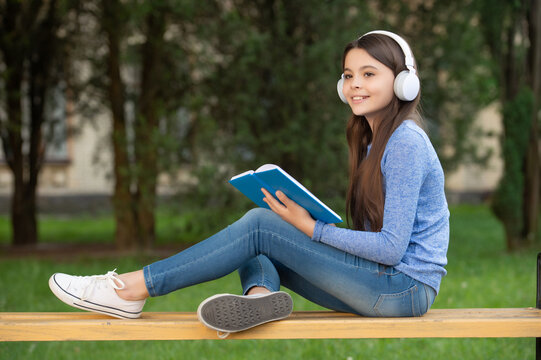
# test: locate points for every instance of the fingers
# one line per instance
(274, 204)
(279, 207)
(290, 211)
(283, 198)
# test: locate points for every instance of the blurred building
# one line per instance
(475, 182)
(77, 168)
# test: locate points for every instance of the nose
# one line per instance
(356, 82)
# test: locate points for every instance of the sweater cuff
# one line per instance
(318, 229)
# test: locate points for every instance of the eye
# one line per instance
(347, 76)
(368, 74)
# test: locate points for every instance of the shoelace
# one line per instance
(110, 277)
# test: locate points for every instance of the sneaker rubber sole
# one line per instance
(232, 313)
(76, 302)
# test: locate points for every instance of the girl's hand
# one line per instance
(290, 211)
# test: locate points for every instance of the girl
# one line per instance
(390, 264)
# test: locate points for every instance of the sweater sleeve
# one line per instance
(404, 167)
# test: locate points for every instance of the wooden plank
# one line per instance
(437, 323)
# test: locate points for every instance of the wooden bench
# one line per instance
(437, 323)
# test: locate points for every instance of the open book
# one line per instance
(273, 178)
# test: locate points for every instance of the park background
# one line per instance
(121, 122)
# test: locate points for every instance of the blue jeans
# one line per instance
(269, 252)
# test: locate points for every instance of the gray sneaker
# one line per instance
(232, 313)
(95, 293)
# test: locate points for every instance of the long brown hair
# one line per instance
(365, 198)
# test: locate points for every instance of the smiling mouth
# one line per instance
(357, 98)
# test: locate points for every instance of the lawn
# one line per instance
(172, 226)
(481, 274)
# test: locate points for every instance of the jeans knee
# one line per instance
(260, 218)
(256, 215)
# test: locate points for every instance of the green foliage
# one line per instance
(500, 23)
(508, 199)
(509, 33)
(272, 91)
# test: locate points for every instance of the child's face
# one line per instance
(368, 84)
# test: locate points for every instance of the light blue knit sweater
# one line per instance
(415, 233)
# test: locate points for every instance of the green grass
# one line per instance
(481, 274)
(172, 226)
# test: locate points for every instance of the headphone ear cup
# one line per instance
(406, 86)
(339, 89)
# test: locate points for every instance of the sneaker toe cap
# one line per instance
(59, 279)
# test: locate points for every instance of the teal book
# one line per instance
(273, 178)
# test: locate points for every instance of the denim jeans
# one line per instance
(269, 252)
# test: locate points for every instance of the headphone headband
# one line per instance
(406, 84)
(401, 42)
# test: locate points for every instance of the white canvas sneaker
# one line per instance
(95, 293)
(228, 313)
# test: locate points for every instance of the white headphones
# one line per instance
(406, 84)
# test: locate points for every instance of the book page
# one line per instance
(267, 167)
(243, 174)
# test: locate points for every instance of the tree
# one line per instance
(141, 139)
(30, 49)
(532, 188)
(272, 92)
(512, 33)
(134, 197)
(113, 21)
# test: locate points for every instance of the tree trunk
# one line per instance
(23, 220)
(23, 200)
(532, 183)
(146, 128)
(29, 45)
(23, 216)
(126, 230)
